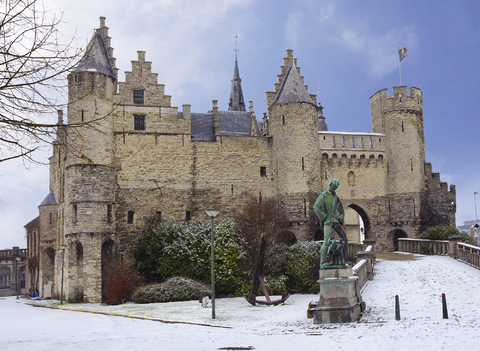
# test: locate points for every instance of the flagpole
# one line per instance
(400, 68)
(400, 71)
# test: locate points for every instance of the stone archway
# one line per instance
(48, 272)
(76, 292)
(109, 258)
(393, 237)
(364, 222)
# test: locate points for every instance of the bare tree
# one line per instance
(33, 68)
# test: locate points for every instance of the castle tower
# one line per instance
(87, 213)
(400, 118)
(293, 126)
(236, 102)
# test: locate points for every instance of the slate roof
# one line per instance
(292, 88)
(49, 200)
(231, 123)
(202, 127)
(96, 58)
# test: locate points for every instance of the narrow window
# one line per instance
(232, 189)
(260, 197)
(263, 171)
(353, 144)
(343, 141)
(303, 163)
(411, 165)
(402, 127)
(361, 143)
(139, 122)
(188, 216)
(138, 97)
(283, 119)
(83, 114)
(159, 214)
(50, 218)
(304, 207)
(371, 144)
(109, 213)
(130, 217)
(75, 212)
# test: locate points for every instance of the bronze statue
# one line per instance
(329, 210)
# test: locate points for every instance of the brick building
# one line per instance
(141, 155)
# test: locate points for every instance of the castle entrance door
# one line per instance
(109, 258)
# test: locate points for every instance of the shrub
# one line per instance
(302, 267)
(274, 285)
(121, 282)
(443, 232)
(174, 289)
(168, 248)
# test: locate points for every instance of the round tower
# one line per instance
(89, 180)
(400, 118)
(293, 126)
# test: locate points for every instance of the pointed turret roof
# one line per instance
(292, 88)
(236, 102)
(97, 57)
(49, 200)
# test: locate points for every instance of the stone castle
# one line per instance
(126, 153)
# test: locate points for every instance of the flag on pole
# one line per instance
(402, 53)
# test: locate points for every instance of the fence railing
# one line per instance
(452, 247)
(469, 254)
(423, 246)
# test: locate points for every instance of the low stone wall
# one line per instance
(363, 269)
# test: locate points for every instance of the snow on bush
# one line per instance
(174, 289)
(168, 248)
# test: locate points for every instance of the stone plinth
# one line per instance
(340, 300)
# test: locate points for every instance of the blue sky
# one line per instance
(347, 51)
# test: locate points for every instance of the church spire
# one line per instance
(236, 102)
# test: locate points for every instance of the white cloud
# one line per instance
(376, 50)
(291, 30)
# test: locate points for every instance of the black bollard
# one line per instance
(397, 308)
(444, 306)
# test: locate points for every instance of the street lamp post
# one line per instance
(63, 247)
(18, 259)
(212, 214)
(476, 218)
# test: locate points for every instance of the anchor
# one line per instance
(257, 279)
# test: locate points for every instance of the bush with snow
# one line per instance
(168, 248)
(174, 289)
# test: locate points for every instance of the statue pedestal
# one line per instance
(340, 300)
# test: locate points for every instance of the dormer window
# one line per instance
(138, 97)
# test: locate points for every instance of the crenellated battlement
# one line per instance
(440, 198)
(399, 101)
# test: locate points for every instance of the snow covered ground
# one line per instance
(419, 284)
